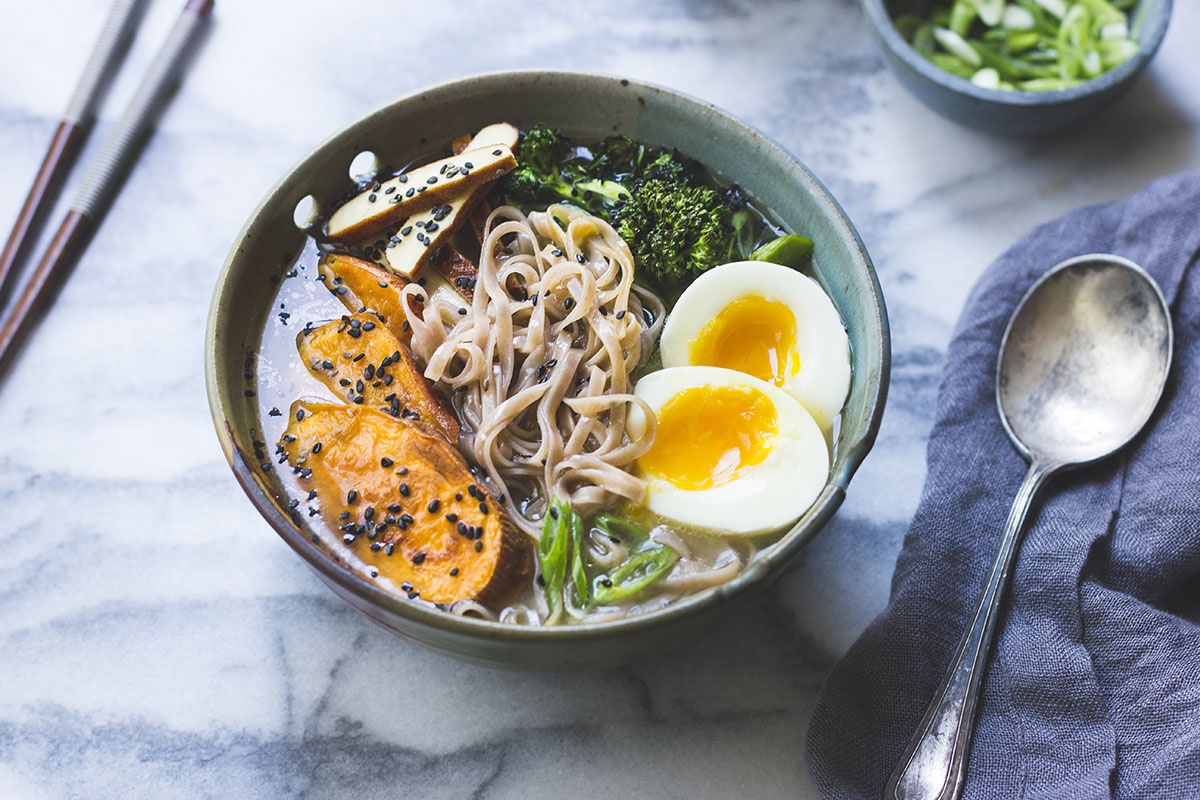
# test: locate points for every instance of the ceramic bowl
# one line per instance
(590, 107)
(1009, 112)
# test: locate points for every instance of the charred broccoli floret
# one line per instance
(676, 229)
(540, 179)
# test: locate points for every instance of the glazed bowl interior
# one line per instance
(588, 107)
(1004, 111)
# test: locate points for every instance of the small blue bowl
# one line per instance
(1006, 111)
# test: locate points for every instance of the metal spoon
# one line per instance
(1082, 366)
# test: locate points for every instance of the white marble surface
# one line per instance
(158, 640)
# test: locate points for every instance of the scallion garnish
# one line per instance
(1026, 45)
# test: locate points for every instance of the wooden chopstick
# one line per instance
(72, 131)
(104, 177)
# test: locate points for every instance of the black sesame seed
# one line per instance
(553, 513)
(316, 448)
(369, 513)
(606, 582)
(385, 462)
(432, 179)
(497, 152)
(453, 572)
(478, 546)
(406, 587)
(404, 490)
(452, 518)
(434, 505)
(418, 558)
(483, 509)
(351, 496)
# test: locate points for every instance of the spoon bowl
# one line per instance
(1082, 365)
(1084, 360)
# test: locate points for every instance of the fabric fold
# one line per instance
(1094, 685)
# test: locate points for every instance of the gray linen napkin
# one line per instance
(1094, 686)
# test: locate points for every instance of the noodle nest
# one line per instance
(540, 367)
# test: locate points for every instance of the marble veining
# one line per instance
(158, 640)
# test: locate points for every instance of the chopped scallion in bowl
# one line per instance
(1023, 45)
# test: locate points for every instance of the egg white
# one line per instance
(823, 379)
(763, 497)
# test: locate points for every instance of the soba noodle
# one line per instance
(540, 367)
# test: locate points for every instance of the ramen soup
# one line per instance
(543, 383)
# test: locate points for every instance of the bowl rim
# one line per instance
(1152, 37)
(781, 551)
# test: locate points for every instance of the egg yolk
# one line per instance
(708, 434)
(753, 335)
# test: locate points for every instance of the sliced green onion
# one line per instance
(634, 576)
(1017, 18)
(1030, 45)
(956, 45)
(619, 528)
(986, 78)
(1056, 7)
(790, 251)
(1115, 30)
(1114, 52)
(553, 548)
(990, 11)
(962, 14)
(579, 578)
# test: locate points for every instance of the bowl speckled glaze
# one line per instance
(1009, 112)
(590, 107)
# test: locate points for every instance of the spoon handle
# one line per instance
(934, 765)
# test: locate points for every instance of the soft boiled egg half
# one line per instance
(769, 321)
(731, 452)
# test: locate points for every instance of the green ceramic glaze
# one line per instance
(590, 107)
(1009, 112)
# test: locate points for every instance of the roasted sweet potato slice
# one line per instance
(363, 286)
(388, 203)
(406, 504)
(361, 360)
